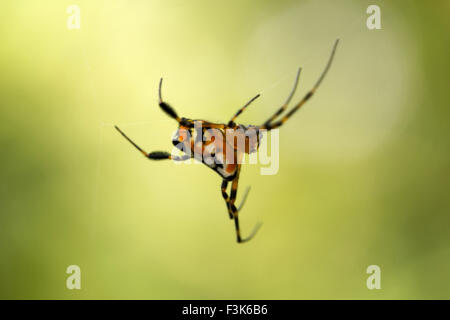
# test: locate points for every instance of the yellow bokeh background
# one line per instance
(363, 176)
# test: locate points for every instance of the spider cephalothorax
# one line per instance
(222, 146)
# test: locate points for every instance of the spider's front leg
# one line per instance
(155, 155)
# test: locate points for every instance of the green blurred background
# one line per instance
(364, 167)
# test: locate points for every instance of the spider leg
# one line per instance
(270, 126)
(165, 106)
(227, 199)
(235, 212)
(244, 198)
(252, 234)
(284, 106)
(155, 155)
(242, 109)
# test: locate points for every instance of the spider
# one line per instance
(213, 138)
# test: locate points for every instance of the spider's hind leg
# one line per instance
(235, 211)
(226, 197)
(286, 103)
(238, 232)
(269, 125)
(232, 208)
